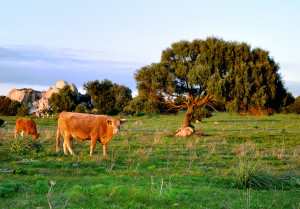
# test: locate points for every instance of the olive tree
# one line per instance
(193, 74)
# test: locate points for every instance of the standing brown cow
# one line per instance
(86, 127)
(26, 125)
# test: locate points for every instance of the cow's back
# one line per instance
(80, 126)
(26, 124)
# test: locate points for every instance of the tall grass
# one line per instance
(250, 174)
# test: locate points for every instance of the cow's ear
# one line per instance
(109, 122)
(122, 121)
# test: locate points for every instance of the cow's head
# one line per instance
(115, 124)
(35, 135)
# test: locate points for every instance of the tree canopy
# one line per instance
(65, 100)
(9, 107)
(198, 72)
(109, 98)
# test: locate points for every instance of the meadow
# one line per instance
(148, 167)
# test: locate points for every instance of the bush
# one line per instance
(108, 98)
(250, 174)
(23, 110)
(65, 100)
(201, 113)
(144, 104)
(25, 144)
(8, 187)
(8, 107)
(80, 109)
(295, 107)
(41, 187)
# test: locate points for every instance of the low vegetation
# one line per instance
(231, 161)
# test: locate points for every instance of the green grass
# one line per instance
(148, 167)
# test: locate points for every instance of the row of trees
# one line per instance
(9, 107)
(105, 97)
(196, 76)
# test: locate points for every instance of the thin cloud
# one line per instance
(43, 66)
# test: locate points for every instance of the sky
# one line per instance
(42, 42)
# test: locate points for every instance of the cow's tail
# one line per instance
(57, 138)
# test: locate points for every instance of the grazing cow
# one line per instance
(26, 125)
(86, 127)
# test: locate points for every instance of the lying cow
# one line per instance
(26, 125)
(86, 127)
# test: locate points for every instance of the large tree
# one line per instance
(193, 74)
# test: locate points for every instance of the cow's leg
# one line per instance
(104, 149)
(27, 134)
(22, 134)
(68, 141)
(65, 148)
(16, 132)
(93, 145)
(64, 143)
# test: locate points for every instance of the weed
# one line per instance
(25, 144)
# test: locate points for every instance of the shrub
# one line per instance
(8, 187)
(144, 104)
(80, 108)
(250, 174)
(25, 171)
(295, 107)
(202, 113)
(8, 107)
(25, 144)
(65, 100)
(41, 187)
(108, 98)
(23, 110)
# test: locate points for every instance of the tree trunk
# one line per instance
(188, 117)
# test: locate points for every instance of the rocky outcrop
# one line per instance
(36, 100)
(24, 96)
(184, 132)
(51, 91)
(74, 88)
(60, 84)
(16, 95)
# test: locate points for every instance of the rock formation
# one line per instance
(184, 132)
(36, 100)
(51, 91)
(24, 96)
(60, 84)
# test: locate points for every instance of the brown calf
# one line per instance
(26, 125)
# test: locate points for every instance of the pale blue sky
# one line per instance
(42, 42)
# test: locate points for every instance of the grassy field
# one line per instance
(148, 167)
